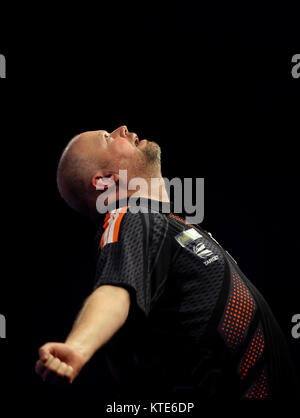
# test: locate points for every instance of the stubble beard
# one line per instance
(151, 158)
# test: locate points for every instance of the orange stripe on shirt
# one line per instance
(102, 240)
(112, 220)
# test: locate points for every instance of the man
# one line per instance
(170, 306)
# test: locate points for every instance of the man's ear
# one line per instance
(102, 181)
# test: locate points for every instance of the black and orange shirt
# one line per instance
(197, 327)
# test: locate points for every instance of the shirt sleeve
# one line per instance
(123, 257)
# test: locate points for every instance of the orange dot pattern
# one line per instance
(260, 389)
(253, 352)
(238, 314)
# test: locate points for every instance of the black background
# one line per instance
(211, 84)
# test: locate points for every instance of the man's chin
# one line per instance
(152, 151)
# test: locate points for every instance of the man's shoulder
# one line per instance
(121, 223)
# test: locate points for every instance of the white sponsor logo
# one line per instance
(211, 260)
(202, 251)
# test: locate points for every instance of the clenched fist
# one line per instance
(58, 363)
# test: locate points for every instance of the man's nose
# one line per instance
(124, 130)
(121, 131)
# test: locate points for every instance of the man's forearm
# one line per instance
(103, 314)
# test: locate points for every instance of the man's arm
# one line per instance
(103, 314)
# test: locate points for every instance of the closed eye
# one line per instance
(106, 136)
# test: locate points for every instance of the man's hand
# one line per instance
(58, 363)
(102, 315)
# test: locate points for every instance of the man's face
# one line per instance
(94, 155)
(122, 149)
(121, 142)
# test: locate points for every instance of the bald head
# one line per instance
(78, 163)
(94, 155)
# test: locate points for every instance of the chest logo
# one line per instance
(202, 251)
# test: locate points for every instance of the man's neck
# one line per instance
(155, 190)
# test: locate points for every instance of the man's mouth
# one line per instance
(136, 141)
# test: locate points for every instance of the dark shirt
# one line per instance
(197, 327)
